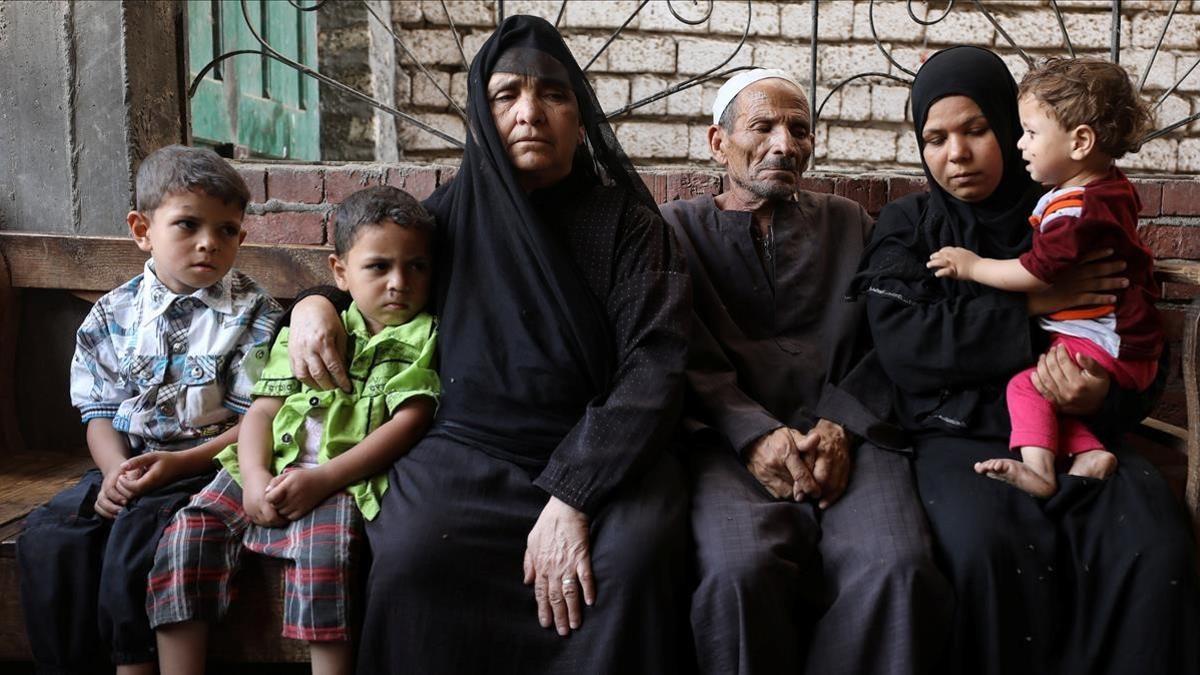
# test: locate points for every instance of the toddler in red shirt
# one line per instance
(1078, 116)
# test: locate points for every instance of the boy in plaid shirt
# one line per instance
(306, 468)
(159, 375)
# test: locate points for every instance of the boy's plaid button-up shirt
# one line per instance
(171, 370)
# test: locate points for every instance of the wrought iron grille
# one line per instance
(721, 70)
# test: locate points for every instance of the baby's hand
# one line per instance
(953, 262)
(296, 492)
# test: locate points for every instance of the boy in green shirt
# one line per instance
(307, 465)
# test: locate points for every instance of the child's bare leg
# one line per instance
(136, 668)
(1094, 464)
(1034, 474)
(331, 658)
(182, 647)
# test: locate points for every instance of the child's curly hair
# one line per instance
(1093, 92)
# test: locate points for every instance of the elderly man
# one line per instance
(813, 552)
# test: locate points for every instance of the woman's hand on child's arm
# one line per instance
(109, 448)
(317, 345)
(1088, 283)
(1074, 388)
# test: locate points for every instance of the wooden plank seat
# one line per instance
(90, 266)
(1186, 440)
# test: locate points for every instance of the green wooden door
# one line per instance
(253, 101)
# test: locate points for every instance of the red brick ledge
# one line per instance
(291, 202)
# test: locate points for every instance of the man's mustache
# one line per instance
(781, 163)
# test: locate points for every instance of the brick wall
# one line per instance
(292, 203)
(864, 125)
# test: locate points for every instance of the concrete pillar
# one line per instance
(382, 56)
(344, 50)
(87, 89)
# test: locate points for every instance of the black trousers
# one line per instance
(83, 577)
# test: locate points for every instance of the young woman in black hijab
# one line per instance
(563, 305)
(1098, 579)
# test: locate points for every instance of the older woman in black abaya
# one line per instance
(1099, 578)
(563, 309)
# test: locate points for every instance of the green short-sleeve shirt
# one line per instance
(386, 369)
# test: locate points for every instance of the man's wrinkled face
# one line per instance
(771, 140)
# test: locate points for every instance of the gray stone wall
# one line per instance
(87, 89)
(862, 125)
(343, 52)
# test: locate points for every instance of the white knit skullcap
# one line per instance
(737, 83)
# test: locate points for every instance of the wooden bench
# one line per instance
(40, 275)
(1185, 440)
(87, 267)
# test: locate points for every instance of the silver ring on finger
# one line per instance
(568, 580)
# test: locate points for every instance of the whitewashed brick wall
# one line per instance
(866, 124)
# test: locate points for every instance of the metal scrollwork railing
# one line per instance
(1114, 53)
(270, 52)
(711, 73)
(719, 71)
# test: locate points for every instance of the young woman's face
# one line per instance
(961, 150)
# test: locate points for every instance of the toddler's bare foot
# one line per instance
(1019, 475)
(1094, 464)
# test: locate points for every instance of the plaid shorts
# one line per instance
(201, 549)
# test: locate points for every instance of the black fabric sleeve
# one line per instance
(649, 307)
(948, 342)
(338, 298)
(860, 400)
(857, 393)
(713, 391)
(928, 339)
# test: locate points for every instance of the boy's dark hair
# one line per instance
(177, 168)
(369, 206)
(1094, 92)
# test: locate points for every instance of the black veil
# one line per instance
(996, 227)
(516, 316)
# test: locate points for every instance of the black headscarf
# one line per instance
(997, 226)
(518, 323)
(950, 357)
